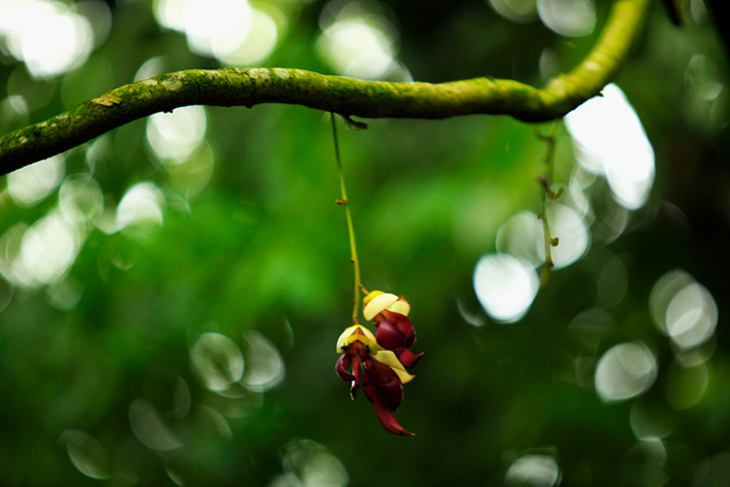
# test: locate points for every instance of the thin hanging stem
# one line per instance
(547, 267)
(550, 242)
(350, 228)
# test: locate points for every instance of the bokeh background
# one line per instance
(171, 292)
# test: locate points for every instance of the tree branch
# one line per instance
(367, 99)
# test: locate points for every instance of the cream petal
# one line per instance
(347, 338)
(370, 296)
(401, 306)
(388, 358)
(378, 304)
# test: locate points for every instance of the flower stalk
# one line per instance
(350, 227)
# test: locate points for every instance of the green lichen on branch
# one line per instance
(350, 97)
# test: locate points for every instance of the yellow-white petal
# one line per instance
(388, 358)
(370, 296)
(378, 304)
(401, 306)
(347, 338)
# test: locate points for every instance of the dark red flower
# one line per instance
(376, 371)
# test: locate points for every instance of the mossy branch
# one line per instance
(350, 97)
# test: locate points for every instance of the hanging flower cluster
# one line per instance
(377, 363)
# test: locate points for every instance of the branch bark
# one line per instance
(367, 99)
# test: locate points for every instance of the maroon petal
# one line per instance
(384, 413)
(369, 370)
(407, 358)
(401, 322)
(389, 385)
(356, 383)
(343, 364)
(356, 361)
(411, 338)
(388, 336)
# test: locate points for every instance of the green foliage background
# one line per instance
(263, 247)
